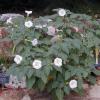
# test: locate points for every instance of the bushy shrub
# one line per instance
(55, 53)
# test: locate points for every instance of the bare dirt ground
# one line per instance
(93, 94)
(19, 94)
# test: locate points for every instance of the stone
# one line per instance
(6, 44)
(5, 47)
(94, 92)
(3, 32)
(26, 97)
(11, 95)
(15, 17)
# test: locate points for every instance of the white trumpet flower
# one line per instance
(28, 12)
(18, 59)
(9, 21)
(58, 62)
(34, 42)
(61, 12)
(28, 24)
(73, 84)
(37, 64)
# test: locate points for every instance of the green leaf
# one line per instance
(59, 94)
(66, 90)
(41, 84)
(77, 43)
(65, 48)
(85, 73)
(47, 69)
(92, 79)
(96, 72)
(11, 70)
(58, 69)
(68, 31)
(30, 82)
(55, 84)
(80, 83)
(67, 75)
(98, 32)
(59, 22)
(37, 35)
(44, 77)
(30, 73)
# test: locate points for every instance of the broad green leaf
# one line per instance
(41, 85)
(30, 82)
(96, 72)
(67, 75)
(59, 94)
(43, 77)
(66, 90)
(29, 73)
(92, 79)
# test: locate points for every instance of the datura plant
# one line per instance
(55, 53)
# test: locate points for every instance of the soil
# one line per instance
(13, 94)
(92, 93)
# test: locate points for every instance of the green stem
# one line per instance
(13, 51)
(27, 40)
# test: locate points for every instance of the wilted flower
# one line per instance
(82, 35)
(34, 42)
(76, 28)
(44, 25)
(38, 26)
(28, 12)
(56, 38)
(18, 59)
(73, 84)
(51, 30)
(37, 64)
(28, 24)
(58, 62)
(59, 30)
(61, 12)
(9, 21)
(49, 20)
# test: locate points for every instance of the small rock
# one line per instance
(85, 86)
(94, 92)
(26, 97)
(6, 44)
(3, 32)
(4, 17)
(56, 38)
(18, 17)
(98, 79)
(1, 98)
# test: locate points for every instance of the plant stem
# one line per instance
(13, 51)
(27, 40)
